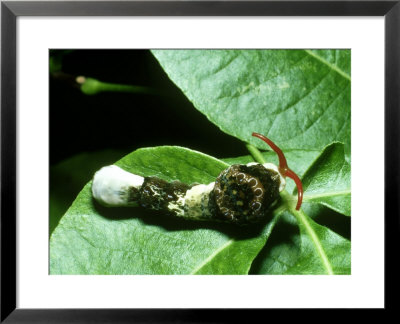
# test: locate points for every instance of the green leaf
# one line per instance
(298, 98)
(291, 250)
(91, 239)
(319, 245)
(318, 250)
(327, 181)
(322, 250)
(282, 250)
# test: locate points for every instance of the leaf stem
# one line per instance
(255, 153)
(90, 86)
(302, 219)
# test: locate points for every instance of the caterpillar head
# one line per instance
(244, 193)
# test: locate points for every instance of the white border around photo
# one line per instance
(363, 288)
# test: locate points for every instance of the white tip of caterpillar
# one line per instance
(282, 179)
(112, 185)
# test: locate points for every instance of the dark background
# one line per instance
(85, 123)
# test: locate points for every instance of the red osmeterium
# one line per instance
(283, 168)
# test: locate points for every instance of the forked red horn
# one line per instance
(283, 167)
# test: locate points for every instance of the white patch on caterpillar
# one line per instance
(111, 186)
(252, 163)
(273, 167)
(196, 201)
(177, 207)
(156, 192)
(194, 204)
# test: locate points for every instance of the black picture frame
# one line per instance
(10, 10)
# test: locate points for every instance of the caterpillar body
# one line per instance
(241, 194)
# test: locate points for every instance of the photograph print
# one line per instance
(169, 162)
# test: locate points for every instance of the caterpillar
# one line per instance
(241, 194)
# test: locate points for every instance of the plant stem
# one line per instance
(256, 154)
(90, 86)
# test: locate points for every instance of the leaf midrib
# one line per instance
(277, 213)
(327, 194)
(330, 65)
(211, 256)
(314, 237)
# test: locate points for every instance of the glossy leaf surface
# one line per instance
(298, 98)
(291, 250)
(327, 181)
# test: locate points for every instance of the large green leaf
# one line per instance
(282, 250)
(291, 250)
(327, 181)
(91, 239)
(298, 98)
(322, 251)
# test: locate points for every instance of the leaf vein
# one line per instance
(314, 123)
(332, 66)
(133, 251)
(211, 256)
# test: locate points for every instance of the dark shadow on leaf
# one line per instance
(285, 233)
(283, 245)
(171, 223)
(329, 218)
(335, 221)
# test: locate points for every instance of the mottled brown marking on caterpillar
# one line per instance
(157, 193)
(243, 194)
